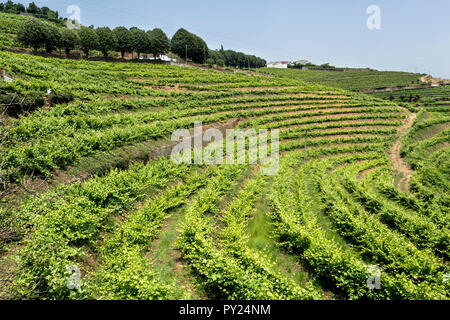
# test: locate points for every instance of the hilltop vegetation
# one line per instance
(355, 80)
(17, 31)
(43, 13)
(8, 29)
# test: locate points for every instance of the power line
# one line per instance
(209, 35)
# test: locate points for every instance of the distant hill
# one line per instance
(351, 79)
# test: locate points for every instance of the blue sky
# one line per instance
(414, 34)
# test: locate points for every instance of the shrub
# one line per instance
(16, 104)
(32, 33)
(61, 97)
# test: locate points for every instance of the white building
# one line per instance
(161, 57)
(278, 64)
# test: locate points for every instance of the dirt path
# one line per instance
(399, 164)
(167, 259)
(434, 81)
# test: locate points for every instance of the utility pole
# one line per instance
(306, 137)
(204, 55)
(186, 55)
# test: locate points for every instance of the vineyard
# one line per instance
(354, 80)
(80, 189)
(432, 99)
(8, 28)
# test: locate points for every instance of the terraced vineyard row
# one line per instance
(159, 230)
(432, 99)
(355, 80)
(8, 28)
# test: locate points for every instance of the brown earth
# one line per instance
(435, 81)
(398, 163)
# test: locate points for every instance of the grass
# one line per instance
(429, 132)
(167, 259)
(102, 162)
(317, 209)
(260, 239)
(8, 267)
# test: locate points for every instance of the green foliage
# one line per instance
(69, 40)
(53, 38)
(140, 41)
(71, 218)
(236, 59)
(36, 33)
(184, 42)
(298, 229)
(159, 42)
(124, 40)
(434, 99)
(107, 40)
(350, 79)
(42, 13)
(89, 40)
(33, 33)
(337, 213)
(18, 104)
(60, 97)
(9, 26)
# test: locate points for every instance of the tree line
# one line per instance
(236, 59)
(37, 33)
(43, 13)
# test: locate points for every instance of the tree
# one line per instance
(33, 8)
(53, 37)
(88, 40)
(107, 40)
(69, 40)
(197, 49)
(45, 10)
(20, 7)
(32, 33)
(200, 50)
(159, 42)
(9, 6)
(182, 43)
(220, 62)
(140, 41)
(51, 15)
(124, 40)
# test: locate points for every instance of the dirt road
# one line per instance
(399, 164)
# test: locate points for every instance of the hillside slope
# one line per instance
(157, 230)
(355, 80)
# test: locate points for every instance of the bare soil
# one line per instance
(399, 164)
